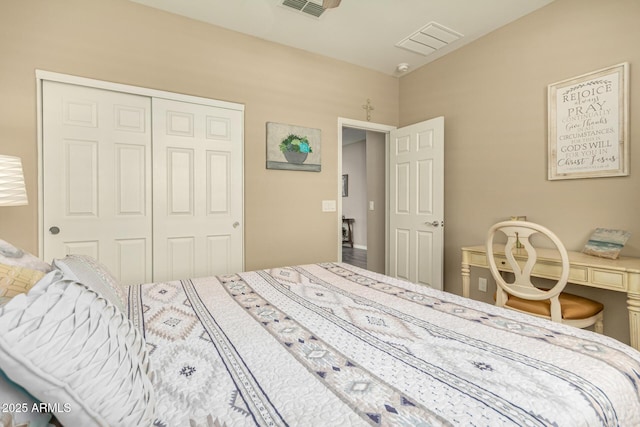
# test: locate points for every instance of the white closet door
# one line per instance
(97, 178)
(198, 190)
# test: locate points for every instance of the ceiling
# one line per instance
(361, 32)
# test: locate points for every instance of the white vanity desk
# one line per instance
(621, 275)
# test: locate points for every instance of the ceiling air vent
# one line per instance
(308, 7)
(429, 38)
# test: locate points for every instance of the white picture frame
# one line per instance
(588, 126)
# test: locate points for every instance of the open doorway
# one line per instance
(354, 196)
(363, 196)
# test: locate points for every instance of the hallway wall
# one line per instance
(354, 205)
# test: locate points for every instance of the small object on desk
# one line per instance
(347, 231)
(518, 218)
(606, 243)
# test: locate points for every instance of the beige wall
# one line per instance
(492, 94)
(123, 42)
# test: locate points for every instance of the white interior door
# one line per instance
(198, 190)
(97, 178)
(416, 202)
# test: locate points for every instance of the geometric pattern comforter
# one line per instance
(334, 345)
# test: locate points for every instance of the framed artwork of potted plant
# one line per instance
(292, 147)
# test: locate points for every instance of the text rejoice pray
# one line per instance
(587, 138)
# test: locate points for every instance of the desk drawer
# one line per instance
(607, 279)
(577, 274)
(479, 260)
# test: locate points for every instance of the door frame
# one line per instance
(42, 75)
(367, 126)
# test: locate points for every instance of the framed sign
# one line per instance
(588, 125)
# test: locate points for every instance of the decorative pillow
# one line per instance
(18, 408)
(10, 255)
(72, 349)
(95, 276)
(16, 280)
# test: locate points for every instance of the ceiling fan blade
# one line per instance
(328, 4)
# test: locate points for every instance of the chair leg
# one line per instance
(599, 325)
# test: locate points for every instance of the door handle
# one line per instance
(236, 224)
(435, 223)
(54, 230)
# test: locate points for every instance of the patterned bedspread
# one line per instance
(334, 345)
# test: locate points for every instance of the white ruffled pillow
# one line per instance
(94, 275)
(69, 347)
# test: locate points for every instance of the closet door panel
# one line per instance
(219, 254)
(218, 182)
(131, 180)
(180, 179)
(181, 257)
(132, 260)
(80, 176)
(97, 177)
(197, 156)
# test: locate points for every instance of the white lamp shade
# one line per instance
(12, 189)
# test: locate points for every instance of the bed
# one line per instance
(330, 344)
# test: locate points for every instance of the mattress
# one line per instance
(330, 344)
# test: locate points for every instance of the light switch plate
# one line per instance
(328, 206)
(370, 205)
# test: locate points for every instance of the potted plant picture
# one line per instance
(292, 147)
(295, 148)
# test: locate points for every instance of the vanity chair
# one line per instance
(521, 295)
